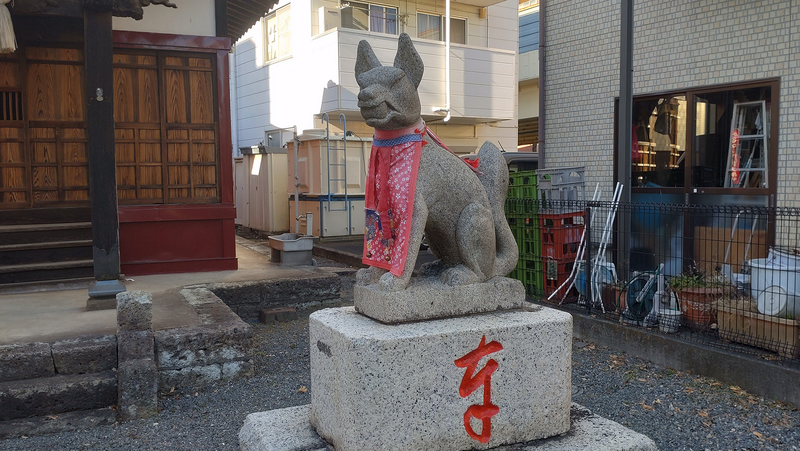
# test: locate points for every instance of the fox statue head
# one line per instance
(388, 98)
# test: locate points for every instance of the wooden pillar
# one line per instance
(98, 55)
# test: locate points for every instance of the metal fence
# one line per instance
(725, 276)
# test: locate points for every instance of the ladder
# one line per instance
(748, 148)
(337, 164)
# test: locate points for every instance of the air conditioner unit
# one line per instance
(329, 18)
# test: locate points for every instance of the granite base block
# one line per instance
(429, 298)
(378, 386)
(290, 430)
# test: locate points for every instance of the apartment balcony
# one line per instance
(482, 80)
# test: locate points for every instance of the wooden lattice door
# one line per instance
(166, 127)
(43, 158)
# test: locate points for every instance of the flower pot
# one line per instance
(762, 331)
(697, 306)
(611, 295)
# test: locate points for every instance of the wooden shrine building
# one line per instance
(115, 146)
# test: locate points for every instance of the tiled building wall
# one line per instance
(677, 45)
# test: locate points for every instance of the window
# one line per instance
(430, 27)
(364, 16)
(719, 140)
(278, 33)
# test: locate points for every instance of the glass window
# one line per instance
(363, 16)
(658, 141)
(430, 27)
(705, 138)
(730, 139)
(458, 31)
(279, 33)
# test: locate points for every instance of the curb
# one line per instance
(760, 377)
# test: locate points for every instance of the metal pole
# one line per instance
(624, 130)
(587, 262)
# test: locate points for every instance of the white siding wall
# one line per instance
(677, 45)
(503, 33)
(192, 17)
(319, 75)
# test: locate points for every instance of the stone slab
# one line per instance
(290, 430)
(135, 345)
(85, 354)
(52, 395)
(25, 361)
(134, 310)
(203, 345)
(62, 422)
(138, 389)
(428, 298)
(280, 430)
(277, 314)
(376, 384)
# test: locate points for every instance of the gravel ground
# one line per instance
(677, 410)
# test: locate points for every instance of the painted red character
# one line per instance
(470, 383)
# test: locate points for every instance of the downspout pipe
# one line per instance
(296, 180)
(542, 81)
(447, 59)
(624, 135)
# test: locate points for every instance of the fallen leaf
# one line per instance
(52, 417)
(303, 389)
(645, 406)
(759, 435)
(657, 401)
(702, 413)
(706, 423)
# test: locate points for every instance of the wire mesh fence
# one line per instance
(726, 276)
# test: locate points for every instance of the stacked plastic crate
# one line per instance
(522, 206)
(561, 223)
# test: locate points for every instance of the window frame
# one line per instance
(691, 94)
(369, 5)
(279, 35)
(441, 30)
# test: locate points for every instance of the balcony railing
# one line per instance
(482, 79)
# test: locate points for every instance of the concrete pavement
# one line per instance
(48, 316)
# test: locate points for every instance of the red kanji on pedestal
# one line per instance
(470, 383)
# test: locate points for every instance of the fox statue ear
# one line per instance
(408, 60)
(366, 58)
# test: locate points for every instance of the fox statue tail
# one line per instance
(494, 177)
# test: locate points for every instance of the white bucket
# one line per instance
(784, 285)
(669, 321)
(774, 300)
(783, 259)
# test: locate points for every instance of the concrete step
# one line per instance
(63, 422)
(57, 394)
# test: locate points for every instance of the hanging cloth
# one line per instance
(8, 42)
(391, 182)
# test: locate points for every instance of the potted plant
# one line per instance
(614, 298)
(697, 294)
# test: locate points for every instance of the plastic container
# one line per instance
(783, 259)
(669, 321)
(783, 284)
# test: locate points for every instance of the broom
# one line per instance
(8, 43)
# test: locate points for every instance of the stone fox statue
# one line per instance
(417, 186)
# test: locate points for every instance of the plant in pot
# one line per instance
(697, 294)
(614, 296)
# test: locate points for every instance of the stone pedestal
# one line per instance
(377, 386)
(428, 298)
